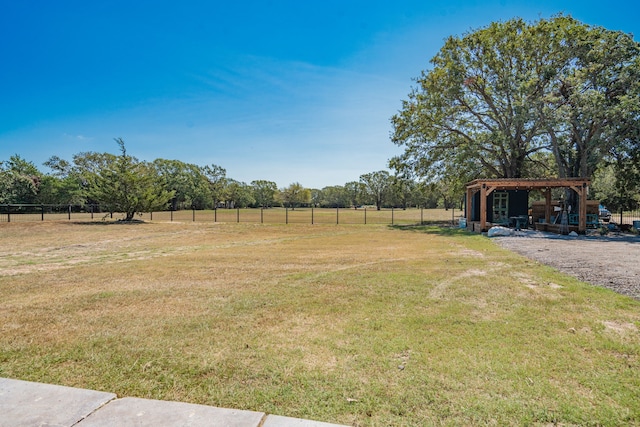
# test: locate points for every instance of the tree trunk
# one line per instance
(555, 148)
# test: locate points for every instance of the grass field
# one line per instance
(360, 325)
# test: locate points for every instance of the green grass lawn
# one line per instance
(360, 325)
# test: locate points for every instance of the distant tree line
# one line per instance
(121, 183)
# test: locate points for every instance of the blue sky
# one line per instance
(287, 91)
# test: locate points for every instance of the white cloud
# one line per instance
(78, 137)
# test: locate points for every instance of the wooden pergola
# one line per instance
(487, 186)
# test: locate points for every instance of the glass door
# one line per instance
(500, 207)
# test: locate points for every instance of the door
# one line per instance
(500, 207)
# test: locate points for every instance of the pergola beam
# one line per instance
(527, 184)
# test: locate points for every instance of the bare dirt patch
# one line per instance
(609, 261)
(620, 328)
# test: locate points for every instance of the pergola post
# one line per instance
(483, 207)
(582, 217)
(581, 191)
(468, 201)
(547, 206)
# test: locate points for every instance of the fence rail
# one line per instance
(33, 213)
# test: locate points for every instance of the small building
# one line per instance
(491, 202)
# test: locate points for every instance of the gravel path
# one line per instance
(611, 261)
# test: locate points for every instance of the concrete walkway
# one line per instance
(24, 403)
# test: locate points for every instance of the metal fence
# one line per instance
(32, 213)
(368, 215)
(626, 218)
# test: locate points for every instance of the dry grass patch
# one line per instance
(362, 325)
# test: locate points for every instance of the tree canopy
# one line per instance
(377, 186)
(128, 186)
(295, 195)
(19, 181)
(264, 192)
(502, 101)
(187, 181)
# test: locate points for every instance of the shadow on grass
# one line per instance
(110, 222)
(442, 228)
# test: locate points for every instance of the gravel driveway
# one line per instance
(611, 261)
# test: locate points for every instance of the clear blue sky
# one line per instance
(287, 91)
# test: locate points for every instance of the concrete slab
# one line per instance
(278, 421)
(131, 411)
(24, 403)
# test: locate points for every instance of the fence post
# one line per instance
(620, 216)
(238, 215)
(337, 216)
(365, 216)
(8, 213)
(311, 215)
(261, 214)
(215, 214)
(92, 211)
(286, 215)
(421, 215)
(171, 215)
(42, 213)
(193, 215)
(69, 212)
(151, 215)
(391, 215)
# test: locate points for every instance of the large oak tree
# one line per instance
(499, 98)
